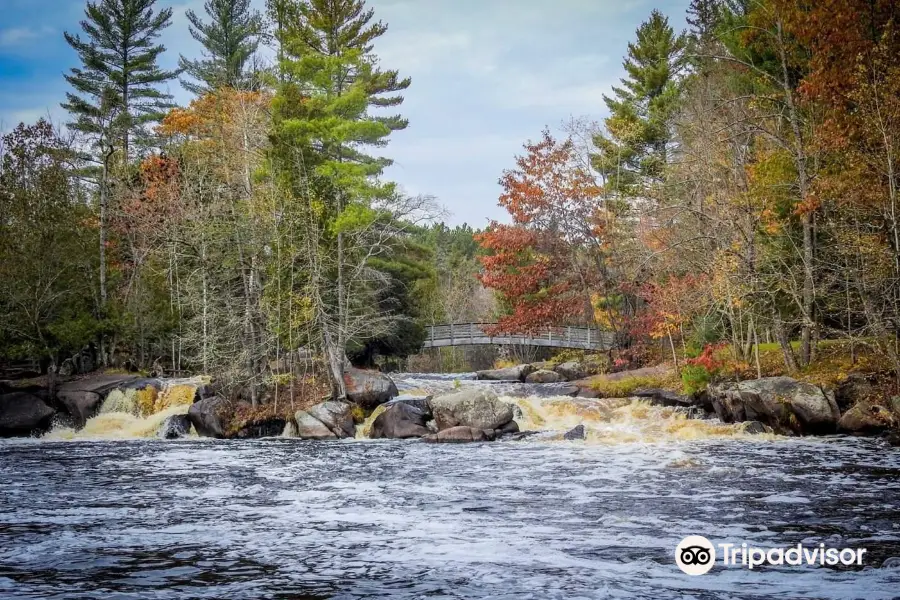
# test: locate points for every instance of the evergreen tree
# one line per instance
(323, 124)
(229, 40)
(702, 19)
(636, 148)
(119, 56)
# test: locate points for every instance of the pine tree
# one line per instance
(331, 82)
(637, 145)
(229, 39)
(702, 19)
(119, 55)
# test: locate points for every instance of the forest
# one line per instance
(742, 193)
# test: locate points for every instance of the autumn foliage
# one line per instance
(544, 264)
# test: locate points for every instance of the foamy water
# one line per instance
(293, 519)
(133, 414)
(108, 516)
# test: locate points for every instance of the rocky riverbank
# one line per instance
(171, 408)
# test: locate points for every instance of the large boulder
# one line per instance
(477, 408)
(783, 403)
(82, 398)
(576, 433)
(866, 418)
(460, 434)
(174, 427)
(24, 414)
(854, 389)
(337, 416)
(325, 421)
(662, 397)
(100, 384)
(420, 402)
(571, 370)
(400, 421)
(368, 388)
(81, 405)
(211, 416)
(543, 376)
(269, 426)
(518, 373)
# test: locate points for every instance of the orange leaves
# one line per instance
(211, 112)
(807, 206)
(547, 180)
(558, 216)
(156, 200)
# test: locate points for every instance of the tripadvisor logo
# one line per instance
(696, 555)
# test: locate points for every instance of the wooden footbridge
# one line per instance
(468, 334)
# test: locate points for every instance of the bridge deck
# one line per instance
(466, 334)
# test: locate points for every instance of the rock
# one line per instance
(588, 393)
(310, 428)
(516, 410)
(518, 373)
(571, 371)
(24, 414)
(662, 397)
(400, 421)
(211, 416)
(543, 376)
(576, 433)
(102, 384)
(522, 435)
(431, 426)
(853, 390)
(67, 368)
(783, 403)
(81, 405)
(460, 434)
(477, 408)
(509, 428)
(866, 418)
(420, 402)
(754, 428)
(326, 421)
(368, 388)
(174, 427)
(261, 428)
(337, 416)
(569, 390)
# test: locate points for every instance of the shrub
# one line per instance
(694, 378)
(698, 372)
(622, 388)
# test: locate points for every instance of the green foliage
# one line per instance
(622, 388)
(114, 88)
(639, 126)
(695, 378)
(229, 39)
(46, 235)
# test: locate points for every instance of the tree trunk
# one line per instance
(790, 361)
(807, 216)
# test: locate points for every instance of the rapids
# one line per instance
(132, 414)
(85, 516)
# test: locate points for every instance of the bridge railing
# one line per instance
(459, 334)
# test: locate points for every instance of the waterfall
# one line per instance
(134, 413)
(618, 420)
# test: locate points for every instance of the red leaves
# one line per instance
(556, 210)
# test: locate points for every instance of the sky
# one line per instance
(487, 76)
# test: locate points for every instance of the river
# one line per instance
(290, 519)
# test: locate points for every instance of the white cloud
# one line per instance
(17, 36)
